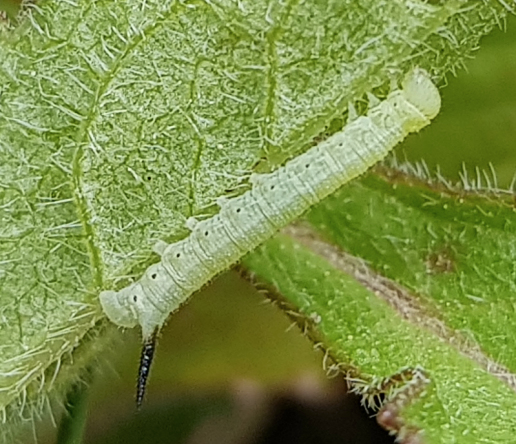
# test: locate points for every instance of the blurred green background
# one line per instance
(225, 357)
(477, 124)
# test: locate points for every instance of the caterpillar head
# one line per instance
(419, 90)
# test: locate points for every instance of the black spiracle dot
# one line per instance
(238, 210)
(178, 254)
(307, 165)
(154, 275)
(272, 187)
(206, 233)
(135, 298)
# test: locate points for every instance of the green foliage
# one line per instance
(458, 313)
(119, 120)
(453, 249)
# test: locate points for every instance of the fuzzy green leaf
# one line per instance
(442, 259)
(118, 120)
(338, 302)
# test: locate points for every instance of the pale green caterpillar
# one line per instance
(274, 200)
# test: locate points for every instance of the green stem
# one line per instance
(73, 422)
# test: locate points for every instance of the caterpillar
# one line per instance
(274, 200)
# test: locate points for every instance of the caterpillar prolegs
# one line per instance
(274, 200)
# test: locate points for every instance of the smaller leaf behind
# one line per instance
(367, 336)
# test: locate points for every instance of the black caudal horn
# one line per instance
(149, 346)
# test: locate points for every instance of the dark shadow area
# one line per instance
(306, 413)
